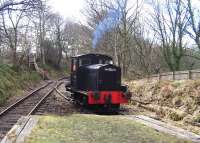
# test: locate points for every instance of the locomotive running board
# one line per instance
(82, 92)
(78, 91)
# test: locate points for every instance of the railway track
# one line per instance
(34, 103)
(26, 106)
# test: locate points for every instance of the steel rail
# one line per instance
(62, 78)
(63, 96)
(22, 99)
(43, 98)
(10, 118)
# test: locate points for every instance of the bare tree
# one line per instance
(115, 41)
(11, 32)
(77, 38)
(145, 52)
(194, 24)
(13, 20)
(42, 16)
(16, 5)
(57, 24)
(39, 18)
(126, 28)
(170, 23)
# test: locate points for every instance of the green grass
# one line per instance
(12, 82)
(95, 129)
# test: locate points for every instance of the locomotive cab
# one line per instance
(85, 60)
(89, 59)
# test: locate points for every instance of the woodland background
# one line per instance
(150, 37)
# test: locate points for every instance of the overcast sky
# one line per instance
(68, 8)
(72, 8)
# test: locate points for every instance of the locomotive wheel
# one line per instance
(109, 109)
(84, 100)
(113, 108)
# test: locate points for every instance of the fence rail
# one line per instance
(177, 75)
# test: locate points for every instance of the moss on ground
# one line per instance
(95, 129)
(11, 81)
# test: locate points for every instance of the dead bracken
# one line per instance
(173, 100)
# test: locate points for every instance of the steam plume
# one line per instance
(107, 24)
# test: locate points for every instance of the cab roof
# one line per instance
(92, 55)
(98, 66)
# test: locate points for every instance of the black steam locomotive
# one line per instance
(96, 81)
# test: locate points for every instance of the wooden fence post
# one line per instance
(173, 75)
(159, 77)
(148, 77)
(189, 74)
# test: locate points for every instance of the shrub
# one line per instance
(197, 119)
(175, 116)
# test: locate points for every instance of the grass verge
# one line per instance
(93, 128)
(12, 82)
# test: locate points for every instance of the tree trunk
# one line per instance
(59, 57)
(14, 57)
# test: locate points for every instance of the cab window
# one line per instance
(74, 65)
(100, 61)
(108, 62)
(83, 62)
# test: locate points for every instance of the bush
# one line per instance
(197, 119)
(175, 116)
